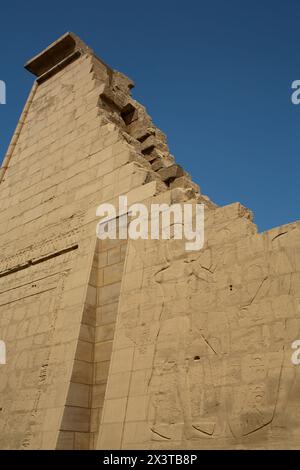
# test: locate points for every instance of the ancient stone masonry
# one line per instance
(133, 344)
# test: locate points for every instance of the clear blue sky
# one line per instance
(215, 76)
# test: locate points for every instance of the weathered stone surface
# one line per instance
(207, 340)
(171, 173)
(139, 344)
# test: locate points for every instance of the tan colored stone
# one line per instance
(120, 344)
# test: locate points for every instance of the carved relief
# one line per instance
(215, 374)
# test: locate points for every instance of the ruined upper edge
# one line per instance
(67, 47)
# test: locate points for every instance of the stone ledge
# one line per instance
(56, 54)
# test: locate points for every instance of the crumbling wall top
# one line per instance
(68, 47)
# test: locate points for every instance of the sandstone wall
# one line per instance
(202, 350)
(65, 159)
(132, 344)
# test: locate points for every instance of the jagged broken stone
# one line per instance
(120, 344)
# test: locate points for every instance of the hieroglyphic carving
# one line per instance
(217, 366)
(42, 376)
(45, 292)
(41, 250)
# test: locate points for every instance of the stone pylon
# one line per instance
(133, 344)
